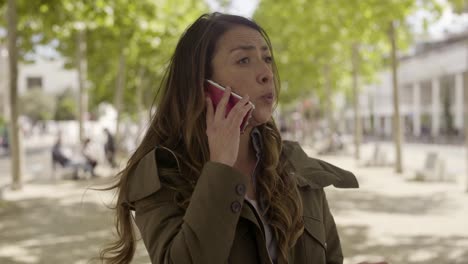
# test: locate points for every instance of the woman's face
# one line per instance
(242, 60)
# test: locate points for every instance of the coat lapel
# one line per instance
(315, 173)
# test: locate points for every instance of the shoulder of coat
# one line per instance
(314, 172)
(144, 179)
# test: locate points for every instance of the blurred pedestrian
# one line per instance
(59, 158)
(205, 192)
(4, 139)
(82, 161)
(109, 148)
(90, 159)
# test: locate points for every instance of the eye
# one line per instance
(268, 59)
(244, 60)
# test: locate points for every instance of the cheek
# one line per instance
(230, 77)
(243, 84)
(262, 113)
(242, 88)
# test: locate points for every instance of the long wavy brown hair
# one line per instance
(181, 107)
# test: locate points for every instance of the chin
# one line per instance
(257, 120)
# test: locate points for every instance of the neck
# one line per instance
(246, 159)
(246, 152)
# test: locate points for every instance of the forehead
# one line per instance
(240, 36)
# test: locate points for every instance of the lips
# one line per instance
(268, 97)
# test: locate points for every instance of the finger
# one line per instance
(209, 112)
(243, 102)
(220, 111)
(239, 113)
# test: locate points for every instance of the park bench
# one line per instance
(433, 170)
(69, 172)
(377, 158)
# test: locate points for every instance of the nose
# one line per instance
(265, 74)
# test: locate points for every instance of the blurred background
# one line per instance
(379, 88)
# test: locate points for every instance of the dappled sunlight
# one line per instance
(359, 244)
(398, 220)
(65, 227)
(17, 254)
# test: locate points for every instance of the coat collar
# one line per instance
(309, 172)
(144, 179)
(315, 173)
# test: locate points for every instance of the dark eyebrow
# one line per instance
(247, 47)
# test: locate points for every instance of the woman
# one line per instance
(202, 191)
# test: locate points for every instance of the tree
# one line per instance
(459, 6)
(13, 83)
(350, 36)
(112, 44)
(66, 106)
(95, 35)
(397, 133)
(23, 35)
(37, 105)
(141, 45)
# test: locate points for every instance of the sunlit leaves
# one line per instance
(146, 31)
(310, 35)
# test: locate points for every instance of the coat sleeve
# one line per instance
(203, 233)
(333, 245)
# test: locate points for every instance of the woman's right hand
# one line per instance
(224, 131)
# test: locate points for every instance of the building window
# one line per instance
(406, 97)
(34, 82)
(426, 93)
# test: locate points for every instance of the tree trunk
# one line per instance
(466, 145)
(396, 106)
(329, 106)
(15, 138)
(139, 90)
(81, 62)
(120, 86)
(357, 115)
(465, 124)
(140, 85)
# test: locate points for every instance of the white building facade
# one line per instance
(48, 75)
(433, 89)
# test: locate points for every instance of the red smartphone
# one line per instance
(216, 92)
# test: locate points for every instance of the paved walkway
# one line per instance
(402, 221)
(57, 222)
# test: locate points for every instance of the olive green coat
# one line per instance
(219, 226)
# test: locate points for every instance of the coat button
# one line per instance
(236, 207)
(240, 189)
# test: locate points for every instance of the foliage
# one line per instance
(66, 106)
(145, 32)
(459, 6)
(37, 105)
(311, 35)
